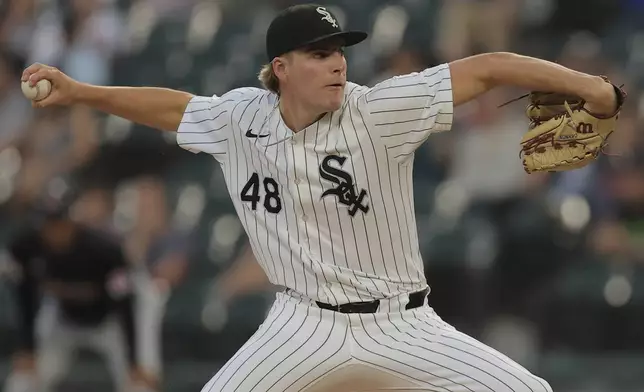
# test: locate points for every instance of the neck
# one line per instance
(297, 115)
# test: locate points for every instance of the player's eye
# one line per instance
(322, 54)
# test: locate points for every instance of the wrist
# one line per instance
(600, 96)
(597, 89)
(83, 93)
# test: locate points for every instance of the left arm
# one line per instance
(475, 75)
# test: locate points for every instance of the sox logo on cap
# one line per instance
(327, 16)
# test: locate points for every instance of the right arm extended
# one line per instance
(158, 108)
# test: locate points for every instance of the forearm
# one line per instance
(158, 108)
(475, 75)
(540, 75)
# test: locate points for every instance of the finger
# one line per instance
(32, 69)
(50, 100)
(42, 73)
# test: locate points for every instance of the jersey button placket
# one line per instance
(297, 180)
(299, 190)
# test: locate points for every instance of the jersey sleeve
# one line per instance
(404, 110)
(205, 126)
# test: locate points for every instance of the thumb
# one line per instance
(51, 99)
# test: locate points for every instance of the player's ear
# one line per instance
(280, 66)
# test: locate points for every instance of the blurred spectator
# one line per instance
(244, 277)
(160, 255)
(485, 168)
(623, 39)
(582, 50)
(17, 25)
(484, 161)
(15, 110)
(95, 208)
(474, 26)
(403, 61)
(165, 9)
(80, 37)
(619, 235)
(58, 142)
(73, 291)
(596, 16)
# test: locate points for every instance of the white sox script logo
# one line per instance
(327, 16)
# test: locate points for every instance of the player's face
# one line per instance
(317, 75)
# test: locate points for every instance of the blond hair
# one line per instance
(268, 78)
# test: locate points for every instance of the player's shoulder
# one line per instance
(387, 91)
(353, 92)
(427, 76)
(248, 94)
(246, 103)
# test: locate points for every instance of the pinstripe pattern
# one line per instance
(301, 347)
(420, 345)
(329, 212)
(320, 249)
(292, 349)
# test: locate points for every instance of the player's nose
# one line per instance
(339, 64)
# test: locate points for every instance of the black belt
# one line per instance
(416, 300)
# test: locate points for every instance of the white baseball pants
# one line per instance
(301, 347)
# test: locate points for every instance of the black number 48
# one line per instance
(250, 193)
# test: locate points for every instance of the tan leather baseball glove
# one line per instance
(562, 134)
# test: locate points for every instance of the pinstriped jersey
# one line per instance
(328, 210)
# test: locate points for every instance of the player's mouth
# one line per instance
(336, 85)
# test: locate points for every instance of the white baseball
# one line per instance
(38, 92)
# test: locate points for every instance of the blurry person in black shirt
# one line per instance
(73, 291)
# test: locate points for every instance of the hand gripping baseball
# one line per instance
(63, 88)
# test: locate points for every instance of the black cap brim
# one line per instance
(349, 38)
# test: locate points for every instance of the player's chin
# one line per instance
(334, 101)
(333, 106)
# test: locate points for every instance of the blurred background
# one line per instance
(546, 268)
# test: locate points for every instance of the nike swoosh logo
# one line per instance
(250, 133)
